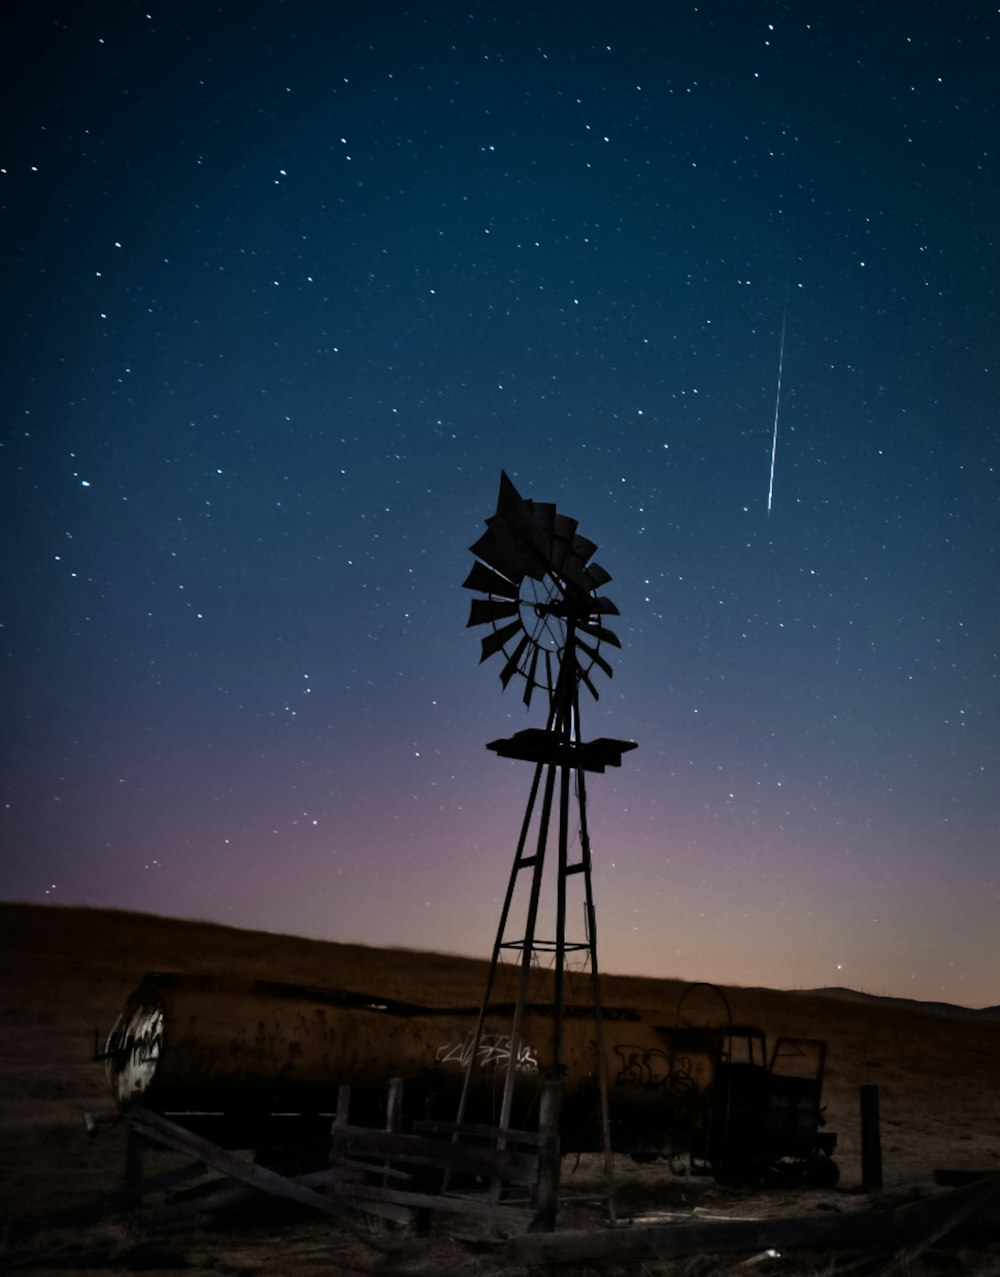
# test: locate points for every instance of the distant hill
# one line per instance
(125, 944)
(938, 1008)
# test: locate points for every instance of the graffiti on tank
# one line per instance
(136, 1045)
(144, 1048)
(650, 1069)
(493, 1054)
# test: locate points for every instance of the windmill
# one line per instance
(540, 601)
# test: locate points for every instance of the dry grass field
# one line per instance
(66, 973)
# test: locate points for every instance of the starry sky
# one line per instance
(287, 285)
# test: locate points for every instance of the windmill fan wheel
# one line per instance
(541, 599)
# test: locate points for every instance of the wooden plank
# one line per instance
(914, 1226)
(505, 1164)
(472, 1130)
(239, 1194)
(350, 1168)
(500, 1215)
(157, 1183)
(260, 1178)
(659, 1241)
(959, 1206)
(174, 1136)
(343, 1197)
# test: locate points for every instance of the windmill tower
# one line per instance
(546, 619)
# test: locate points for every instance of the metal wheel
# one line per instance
(541, 601)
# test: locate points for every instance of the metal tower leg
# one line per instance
(563, 731)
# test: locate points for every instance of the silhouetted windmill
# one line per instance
(547, 620)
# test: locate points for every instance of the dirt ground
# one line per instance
(67, 972)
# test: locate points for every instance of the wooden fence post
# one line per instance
(871, 1140)
(133, 1169)
(341, 1119)
(547, 1193)
(394, 1105)
(393, 1115)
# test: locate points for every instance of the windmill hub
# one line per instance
(535, 569)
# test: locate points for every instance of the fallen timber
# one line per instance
(347, 1186)
(906, 1231)
(153, 1126)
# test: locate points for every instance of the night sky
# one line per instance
(287, 285)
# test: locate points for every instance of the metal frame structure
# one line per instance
(547, 619)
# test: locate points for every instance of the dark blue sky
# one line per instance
(287, 285)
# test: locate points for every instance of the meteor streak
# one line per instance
(777, 406)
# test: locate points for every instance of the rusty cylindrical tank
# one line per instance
(186, 1043)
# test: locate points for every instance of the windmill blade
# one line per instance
(575, 573)
(605, 607)
(597, 576)
(586, 679)
(595, 657)
(486, 581)
(599, 632)
(544, 515)
(576, 600)
(501, 552)
(560, 553)
(565, 528)
(563, 533)
(530, 676)
(510, 669)
(494, 642)
(583, 547)
(546, 679)
(483, 611)
(520, 541)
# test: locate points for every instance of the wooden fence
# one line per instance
(508, 1178)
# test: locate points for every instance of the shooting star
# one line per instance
(777, 406)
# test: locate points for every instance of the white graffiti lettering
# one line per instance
(493, 1054)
